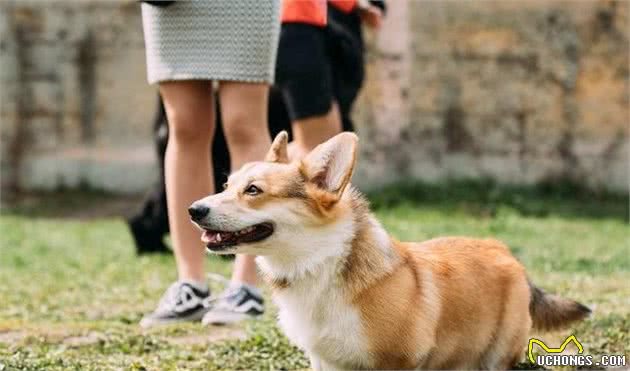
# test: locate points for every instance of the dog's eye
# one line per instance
(252, 190)
(225, 185)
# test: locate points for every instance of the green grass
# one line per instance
(72, 289)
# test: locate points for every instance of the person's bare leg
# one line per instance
(309, 132)
(244, 114)
(244, 269)
(188, 175)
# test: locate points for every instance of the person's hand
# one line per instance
(372, 16)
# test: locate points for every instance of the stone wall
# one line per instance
(76, 107)
(518, 91)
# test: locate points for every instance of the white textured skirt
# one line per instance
(232, 40)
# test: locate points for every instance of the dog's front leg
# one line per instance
(316, 364)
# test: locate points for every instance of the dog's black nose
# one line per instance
(198, 211)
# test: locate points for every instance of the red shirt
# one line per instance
(312, 12)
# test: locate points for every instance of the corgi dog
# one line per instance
(351, 296)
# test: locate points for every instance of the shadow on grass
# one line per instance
(72, 204)
(473, 197)
(486, 197)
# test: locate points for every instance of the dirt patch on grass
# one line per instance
(11, 337)
(87, 339)
(212, 334)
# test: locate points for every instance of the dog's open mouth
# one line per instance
(220, 240)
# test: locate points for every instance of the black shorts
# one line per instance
(303, 70)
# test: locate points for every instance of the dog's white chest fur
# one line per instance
(315, 315)
(314, 310)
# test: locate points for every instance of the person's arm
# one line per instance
(371, 14)
(381, 4)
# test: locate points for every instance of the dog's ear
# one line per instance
(278, 150)
(329, 166)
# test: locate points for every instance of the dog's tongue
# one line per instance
(214, 237)
(208, 236)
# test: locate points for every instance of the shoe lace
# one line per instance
(175, 295)
(223, 299)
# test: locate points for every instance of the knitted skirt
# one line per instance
(232, 40)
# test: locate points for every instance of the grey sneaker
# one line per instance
(236, 304)
(182, 301)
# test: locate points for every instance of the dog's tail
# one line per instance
(550, 312)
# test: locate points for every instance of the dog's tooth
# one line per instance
(218, 237)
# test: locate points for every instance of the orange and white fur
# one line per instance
(351, 296)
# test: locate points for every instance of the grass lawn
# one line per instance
(72, 290)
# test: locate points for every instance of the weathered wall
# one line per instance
(76, 107)
(521, 92)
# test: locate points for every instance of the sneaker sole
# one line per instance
(153, 322)
(226, 318)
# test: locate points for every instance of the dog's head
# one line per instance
(268, 204)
